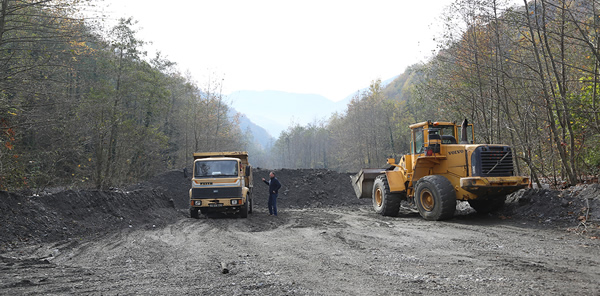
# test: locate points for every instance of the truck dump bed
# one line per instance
(236, 154)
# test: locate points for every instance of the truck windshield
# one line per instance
(215, 169)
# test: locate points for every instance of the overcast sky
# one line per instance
(331, 48)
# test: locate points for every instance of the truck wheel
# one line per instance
(194, 213)
(435, 198)
(244, 210)
(384, 202)
(250, 205)
(484, 206)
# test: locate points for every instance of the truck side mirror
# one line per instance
(248, 170)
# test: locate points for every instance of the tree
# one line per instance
(39, 44)
(523, 75)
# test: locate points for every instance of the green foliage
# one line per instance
(80, 109)
(516, 73)
(591, 158)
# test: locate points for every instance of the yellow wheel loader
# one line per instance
(440, 170)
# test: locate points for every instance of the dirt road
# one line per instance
(338, 251)
(141, 241)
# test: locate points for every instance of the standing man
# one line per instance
(274, 186)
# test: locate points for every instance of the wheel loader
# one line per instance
(441, 169)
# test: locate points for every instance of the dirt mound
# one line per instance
(301, 188)
(173, 183)
(577, 206)
(70, 214)
(74, 214)
(306, 188)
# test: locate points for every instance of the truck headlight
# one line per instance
(236, 201)
(197, 202)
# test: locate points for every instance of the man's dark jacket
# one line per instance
(274, 185)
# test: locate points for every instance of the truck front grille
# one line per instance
(492, 161)
(217, 192)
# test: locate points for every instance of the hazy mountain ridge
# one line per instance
(268, 113)
(259, 134)
(275, 111)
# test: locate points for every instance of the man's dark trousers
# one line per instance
(273, 204)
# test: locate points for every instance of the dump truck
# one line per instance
(439, 171)
(221, 182)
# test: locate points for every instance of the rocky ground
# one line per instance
(140, 240)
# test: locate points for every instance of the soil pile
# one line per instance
(306, 188)
(577, 206)
(65, 215)
(173, 184)
(72, 214)
(300, 188)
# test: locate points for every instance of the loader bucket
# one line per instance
(363, 182)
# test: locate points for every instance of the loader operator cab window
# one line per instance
(447, 134)
(418, 141)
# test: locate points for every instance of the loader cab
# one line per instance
(427, 133)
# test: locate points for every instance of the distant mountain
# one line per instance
(275, 111)
(259, 134)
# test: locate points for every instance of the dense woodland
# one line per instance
(84, 106)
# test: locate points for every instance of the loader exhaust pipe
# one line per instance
(463, 132)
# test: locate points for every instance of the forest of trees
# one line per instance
(80, 106)
(527, 76)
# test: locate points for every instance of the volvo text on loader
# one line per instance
(441, 170)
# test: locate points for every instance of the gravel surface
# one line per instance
(325, 241)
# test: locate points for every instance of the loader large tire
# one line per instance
(435, 198)
(384, 202)
(484, 206)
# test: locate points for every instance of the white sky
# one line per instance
(326, 47)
